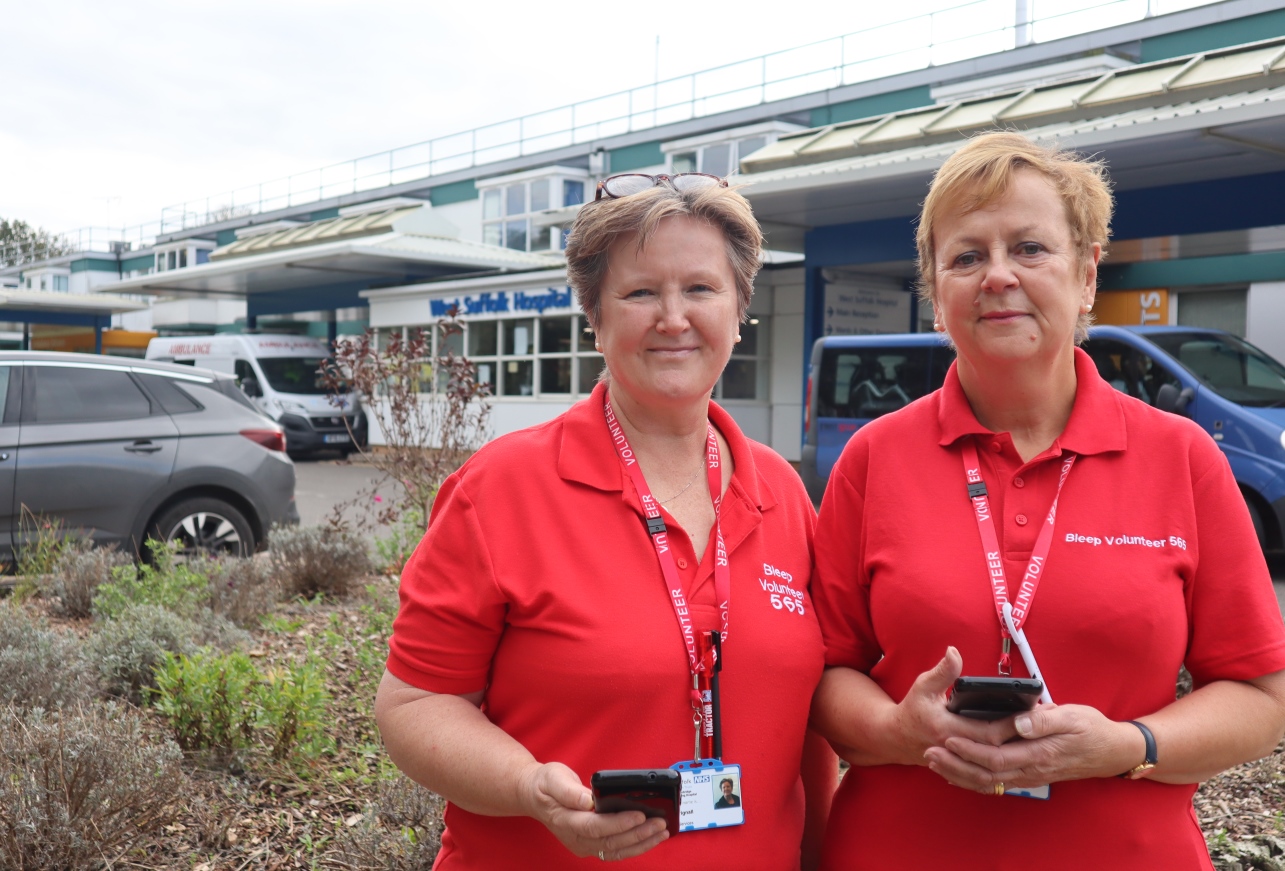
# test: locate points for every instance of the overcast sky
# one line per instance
(111, 111)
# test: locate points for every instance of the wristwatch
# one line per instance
(1141, 769)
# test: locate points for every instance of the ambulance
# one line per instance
(279, 375)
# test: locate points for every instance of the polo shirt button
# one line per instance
(1019, 482)
(682, 563)
(1020, 519)
(996, 447)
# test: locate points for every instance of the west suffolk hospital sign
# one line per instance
(501, 303)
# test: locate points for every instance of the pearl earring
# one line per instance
(939, 326)
(597, 346)
(738, 338)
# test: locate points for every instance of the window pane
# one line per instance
(717, 159)
(1128, 369)
(515, 199)
(491, 234)
(589, 368)
(67, 394)
(490, 204)
(450, 340)
(481, 338)
(515, 235)
(555, 337)
(572, 192)
(740, 379)
(555, 375)
(486, 374)
(519, 337)
(518, 377)
(685, 162)
(584, 335)
(167, 393)
(746, 147)
(182, 259)
(749, 344)
(539, 195)
(540, 238)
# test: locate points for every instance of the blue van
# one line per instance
(1233, 390)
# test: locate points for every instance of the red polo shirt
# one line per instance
(1153, 564)
(537, 581)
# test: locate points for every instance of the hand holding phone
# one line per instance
(993, 698)
(656, 792)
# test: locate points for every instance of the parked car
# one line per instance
(1232, 389)
(279, 375)
(125, 450)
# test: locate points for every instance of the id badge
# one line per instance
(711, 795)
(1041, 792)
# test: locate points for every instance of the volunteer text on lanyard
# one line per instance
(990, 544)
(702, 653)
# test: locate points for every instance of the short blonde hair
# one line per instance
(982, 172)
(600, 224)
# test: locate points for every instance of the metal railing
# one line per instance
(103, 240)
(925, 40)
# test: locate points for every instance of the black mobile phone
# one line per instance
(656, 792)
(993, 698)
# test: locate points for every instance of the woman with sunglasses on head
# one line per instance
(624, 587)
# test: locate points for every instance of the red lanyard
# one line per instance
(990, 545)
(702, 654)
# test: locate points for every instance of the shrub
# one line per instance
(80, 786)
(242, 590)
(292, 703)
(208, 700)
(179, 586)
(39, 666)
(77, 575)
(403, 537)
(400, 831)
(42, 542)
(317, 559)
(221, 703)
(127, 650)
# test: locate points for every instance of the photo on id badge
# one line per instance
(712, 795)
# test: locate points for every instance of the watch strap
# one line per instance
(1151, 755)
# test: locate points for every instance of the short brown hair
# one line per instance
(982, 172)
(600, 224)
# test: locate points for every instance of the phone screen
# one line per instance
(656, 792)
(993, 698)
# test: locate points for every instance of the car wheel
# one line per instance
(206, 526)
(1260, 528)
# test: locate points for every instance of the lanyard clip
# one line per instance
(1006, 661)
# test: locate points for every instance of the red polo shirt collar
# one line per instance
(588, 456)
(1096, 425)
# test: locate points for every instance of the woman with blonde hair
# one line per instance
(1029, 520)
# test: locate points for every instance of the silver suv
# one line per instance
(126, 450)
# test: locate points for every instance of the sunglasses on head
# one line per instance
(629, 183)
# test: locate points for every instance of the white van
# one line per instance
(279, 374)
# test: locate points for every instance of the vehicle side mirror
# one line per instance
(1172, 400)
(250, 387)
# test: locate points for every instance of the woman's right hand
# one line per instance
(922, 721)
(555, 796)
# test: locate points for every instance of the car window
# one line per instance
(1129, 370)
(6, 377)
(225, 387)
(74, 393)
(244, 371)
(1235, 369)
(166, 392)
(869, 382)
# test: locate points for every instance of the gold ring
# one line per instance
(998, 789)
(602, 855)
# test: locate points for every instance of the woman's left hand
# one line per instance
(1056, 742)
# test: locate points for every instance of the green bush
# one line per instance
(178, 586)
(401, 830)
(42, 541)
(81, 785)
(318, 559)
(208, 700)
(221, 703)
(40, 667)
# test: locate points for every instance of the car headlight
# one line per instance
(1283, 438)
(293, 407)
